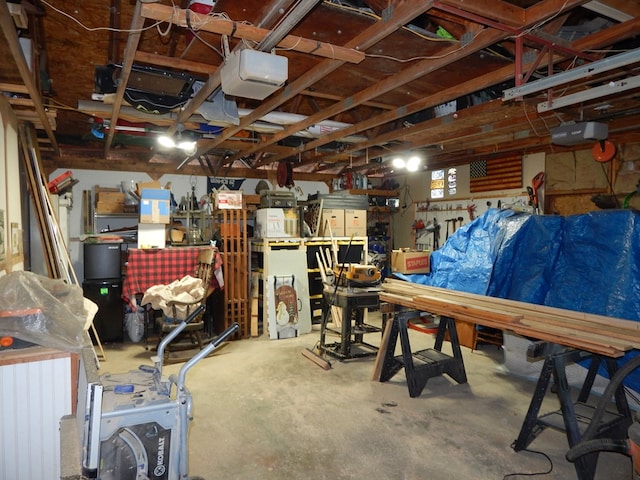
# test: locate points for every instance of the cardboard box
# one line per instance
(333, 218)
(109, 207)
(109, 196)
(410, 261)
(151, 235)
(154, 205)
(228, 200)
(355, 223)
(109, 200)
(155, 185)
(270, 222)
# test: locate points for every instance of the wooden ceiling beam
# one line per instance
(415, 71)
(175, 63)
(401, 14)
(337, 98)
(496, 10)
(625, 6)
(397, 80)
(443, 96)
(14, 88)
(223, 26)
(594, 41)
(407, 75)
(609, 36)
(548, 9)
(9, 30)
(137, 21)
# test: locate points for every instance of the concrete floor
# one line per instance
(264, 411)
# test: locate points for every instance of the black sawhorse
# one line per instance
(422, 365)
(573, 417)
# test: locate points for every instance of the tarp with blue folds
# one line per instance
(587, 263)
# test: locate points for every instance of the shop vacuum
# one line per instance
(591, 444)
(136, 424)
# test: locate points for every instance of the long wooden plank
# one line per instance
(557, 320)
(626, 331)
(538, 309)
(516, 328)
(574, 329)
(601, 339)
(382, 351)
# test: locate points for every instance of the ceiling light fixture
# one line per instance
(186, 145)
(398, 162)
(410, 163)
(413, 164)
(578, 73)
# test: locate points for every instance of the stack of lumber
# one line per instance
(592, 333)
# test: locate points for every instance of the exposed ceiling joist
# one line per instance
(9, 31)
(422, 75)
(135, 30)
(223, 26)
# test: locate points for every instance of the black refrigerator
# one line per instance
(103, 285)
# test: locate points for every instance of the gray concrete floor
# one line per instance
(264, 411)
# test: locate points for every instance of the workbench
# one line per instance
(353, 302)
(564, 336)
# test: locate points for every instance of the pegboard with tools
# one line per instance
(436, 221)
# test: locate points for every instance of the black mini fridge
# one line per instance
(107, 294)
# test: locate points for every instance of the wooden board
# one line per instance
(593, 333)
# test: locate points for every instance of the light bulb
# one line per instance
(398, 162)
(186, 145)
(166, 142)
(413, 164)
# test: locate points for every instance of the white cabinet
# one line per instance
(283, 289)
(39, 387)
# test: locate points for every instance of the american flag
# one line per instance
(495, 174)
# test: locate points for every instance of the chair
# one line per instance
(181, 309)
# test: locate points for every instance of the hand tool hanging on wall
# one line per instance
(536, 183)
(471, 210)
(436, 234)
(447, 221)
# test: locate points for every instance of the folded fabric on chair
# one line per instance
(180, 293)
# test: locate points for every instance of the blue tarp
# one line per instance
(587, 263)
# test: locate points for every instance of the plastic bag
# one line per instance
(134, 322)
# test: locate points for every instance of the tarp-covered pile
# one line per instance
(587, 263)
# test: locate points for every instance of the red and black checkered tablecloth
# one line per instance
(146, 268)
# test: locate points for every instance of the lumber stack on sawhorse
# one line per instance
(572, 336)
(421, 365)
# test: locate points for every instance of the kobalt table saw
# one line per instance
(135, 427)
